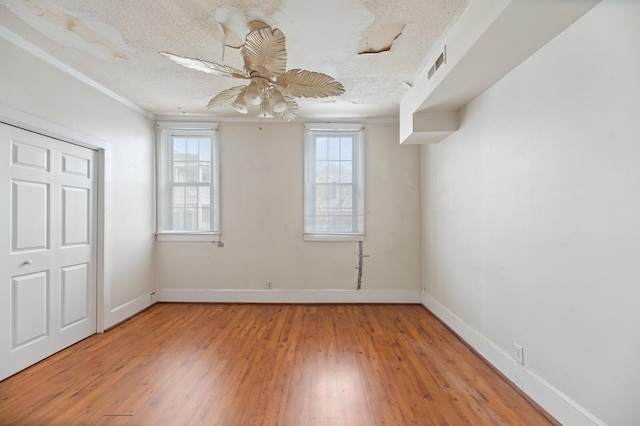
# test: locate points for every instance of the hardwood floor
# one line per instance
(208, 364)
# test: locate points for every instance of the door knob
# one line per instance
(27, 262)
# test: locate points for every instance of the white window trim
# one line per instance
(359, 127)
(333, 237)
(164, 129)
(188, 236)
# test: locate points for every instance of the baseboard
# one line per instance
(127, 310)
(289, 296)
(556, 403)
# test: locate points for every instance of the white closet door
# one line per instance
(47, 247)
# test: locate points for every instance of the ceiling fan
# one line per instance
(271, 86)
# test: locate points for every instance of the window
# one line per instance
(334, 182)
(188, 189)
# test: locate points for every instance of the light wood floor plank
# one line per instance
(208, 364)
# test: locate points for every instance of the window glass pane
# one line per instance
(333, 221)
(346, 171)
(321, 196)
(205, 172)
(346, 224)
(321, 148)
(178, 220)
(178, 196)
(322, 220)
(204, 196)
(322, 169)
(205, 219)
(333, 212)
(205, 149)
(191, 219)
(192, 172)
(334, 196)
(179, 172)
(191, 196)
(334, 148)
(322, 212)
(179, 149)
(346, 148)
(346, 197)
(192, 149)
(333, 171)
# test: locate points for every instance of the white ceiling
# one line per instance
(116, 44)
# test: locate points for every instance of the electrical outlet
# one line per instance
(269, 284)
(153, 297)
(518, 353)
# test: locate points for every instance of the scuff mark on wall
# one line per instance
(360, 266)
(71, 29)
(382, 39)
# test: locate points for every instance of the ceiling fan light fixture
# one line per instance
(240, 104)
(265, 109)
(278, 104)
(252, 94)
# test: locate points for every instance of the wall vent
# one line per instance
(440, 60)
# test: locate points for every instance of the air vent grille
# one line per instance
(440, 60)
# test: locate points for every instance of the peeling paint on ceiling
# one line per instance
(71, 29)
(382, 39)
(234, 22)
(116, 43)
(318, 36)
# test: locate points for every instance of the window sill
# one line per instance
(333, 237)
(187, 236)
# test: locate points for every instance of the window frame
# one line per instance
(312, 131)
(166, 130)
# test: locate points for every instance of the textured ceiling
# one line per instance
(116, 44)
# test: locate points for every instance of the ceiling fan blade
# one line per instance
(309, 84)
(205, 66)
(256, 25)
(226, 97)
(290, 113)
(264, 51)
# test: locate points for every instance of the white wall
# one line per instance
(262, 212)
(531, 215)
(32, 86)
(262, 201)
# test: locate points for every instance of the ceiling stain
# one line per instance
(234, 22)
(322, 35)
(231, 38)
(325, 36)
(71, 29)
(382, 40)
